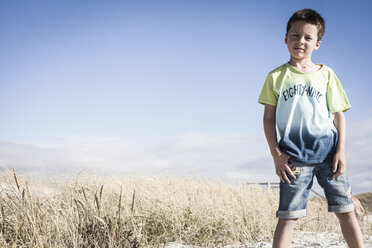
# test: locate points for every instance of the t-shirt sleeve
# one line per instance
(336, 96)
(268, 94)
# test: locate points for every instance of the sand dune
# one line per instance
(300, 240)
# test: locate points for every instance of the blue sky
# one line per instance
(151, 75)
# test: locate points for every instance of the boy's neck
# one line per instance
(304, 65)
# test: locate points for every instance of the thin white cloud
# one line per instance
(358, 155)
(218, 156)
(231, 158)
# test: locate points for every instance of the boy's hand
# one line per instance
(339, 164)
(282, 163)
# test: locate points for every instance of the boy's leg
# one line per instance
(338, 193)
(292, 203)
(350, 229)
(283, 233)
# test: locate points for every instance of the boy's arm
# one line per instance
(280, 158)
(339, 161)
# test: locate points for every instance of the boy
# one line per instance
(307, 103)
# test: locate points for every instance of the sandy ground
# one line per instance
(300, 240)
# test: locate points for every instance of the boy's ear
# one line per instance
(285, 39)
(317, 45)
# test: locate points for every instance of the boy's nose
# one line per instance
(301, 40)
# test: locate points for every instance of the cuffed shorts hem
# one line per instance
(291, 214)
(341, 209)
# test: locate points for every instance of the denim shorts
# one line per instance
(294, 196)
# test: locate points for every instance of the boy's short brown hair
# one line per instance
(308, 16)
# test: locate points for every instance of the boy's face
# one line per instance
(302, 40)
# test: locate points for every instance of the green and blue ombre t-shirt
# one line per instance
(305, 103)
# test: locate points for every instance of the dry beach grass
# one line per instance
(114, 211)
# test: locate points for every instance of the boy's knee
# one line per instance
(287, 222)
(345, 217)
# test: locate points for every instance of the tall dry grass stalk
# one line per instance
(97, 211)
